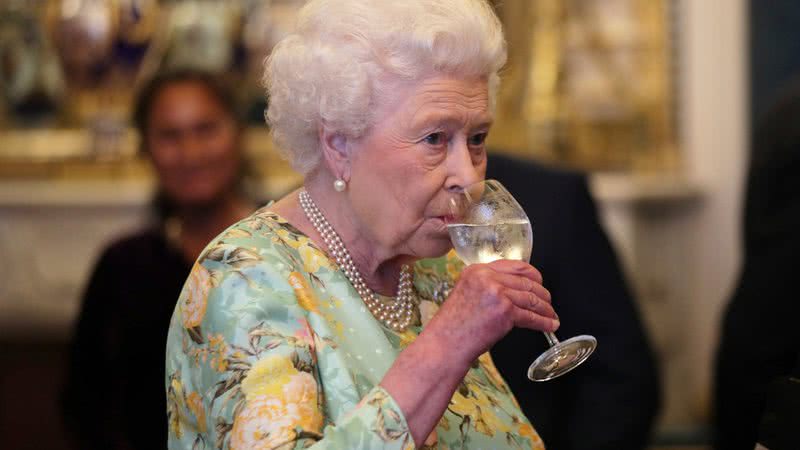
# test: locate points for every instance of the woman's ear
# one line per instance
(336, 151)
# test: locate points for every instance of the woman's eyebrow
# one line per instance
(479, 120)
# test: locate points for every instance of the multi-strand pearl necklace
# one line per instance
(399, 314)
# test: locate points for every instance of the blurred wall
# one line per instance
(715, 132)
(678, 237)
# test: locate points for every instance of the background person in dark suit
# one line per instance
(757, 368)
(610, 402)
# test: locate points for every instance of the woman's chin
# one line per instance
(435, 246)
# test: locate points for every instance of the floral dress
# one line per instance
(270, 347)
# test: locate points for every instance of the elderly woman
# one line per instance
(335, 317)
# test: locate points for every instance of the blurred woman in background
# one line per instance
(189, 128)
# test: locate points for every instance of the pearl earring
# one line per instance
(339, 185)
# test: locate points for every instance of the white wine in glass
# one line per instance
(488, 224)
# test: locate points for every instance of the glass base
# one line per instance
(561, 358)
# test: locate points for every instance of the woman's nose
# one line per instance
(191, 149)
(463, 171)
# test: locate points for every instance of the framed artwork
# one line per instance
(589, 83)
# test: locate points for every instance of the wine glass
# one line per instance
(486, 223)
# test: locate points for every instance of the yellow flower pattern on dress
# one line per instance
(312, 258)
(195, 405)
(270, 347)
(175, 406)
(305, 296)
(194, 299)
(218, 350)
(454, 267)
(264, 423)
(268, 376)
(406, 338)
(494, 376)
(475, 404)
(301, 392)
(272, 414)
(525, 429)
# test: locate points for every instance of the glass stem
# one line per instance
(552, 340)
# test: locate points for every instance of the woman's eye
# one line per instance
(435, 138)
(477, 139)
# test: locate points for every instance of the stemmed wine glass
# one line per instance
(487, 224)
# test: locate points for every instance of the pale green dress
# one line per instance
(270, 347)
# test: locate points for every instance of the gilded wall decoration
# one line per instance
(589, 82)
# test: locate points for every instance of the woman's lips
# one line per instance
(441, 222)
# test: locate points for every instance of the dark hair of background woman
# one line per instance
(150, 90)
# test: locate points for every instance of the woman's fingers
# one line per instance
(531, 302)
(523, 288)
(520, 283)
(513, 267)
(525, 318)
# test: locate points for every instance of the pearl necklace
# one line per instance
(396, 316)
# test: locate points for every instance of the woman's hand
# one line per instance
(487, 301)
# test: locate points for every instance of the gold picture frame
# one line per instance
(589, 84)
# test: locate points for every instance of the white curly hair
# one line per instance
(343, 55)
